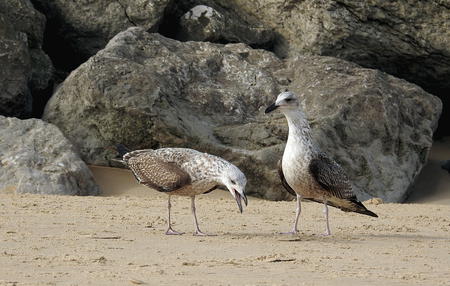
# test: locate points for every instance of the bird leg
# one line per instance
(170, 230)
(297, 215)
(197, 229)
(325, 211)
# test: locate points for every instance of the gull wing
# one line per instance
(331, 177)
(155, 173)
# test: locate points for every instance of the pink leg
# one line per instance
(170, 230)
(297, 216)
(325, 211)
(197, 229)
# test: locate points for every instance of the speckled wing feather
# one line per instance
(331, 177)
(283, 180)
(344, 198)
(153, 172)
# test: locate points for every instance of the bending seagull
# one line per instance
(306, 172)
(184, 172)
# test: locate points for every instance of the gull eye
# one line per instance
(233, 182)
(288, 99)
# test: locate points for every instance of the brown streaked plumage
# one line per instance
(308, 173)
(184, 172)
(155, 173)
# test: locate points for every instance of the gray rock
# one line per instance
(204, 23)
(26, 19)
(15, 96)
(35, 157)
(26, 69)
(147, 91)
(409, 39)
(86, 26)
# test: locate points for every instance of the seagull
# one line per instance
(308, 173)
(184, 172)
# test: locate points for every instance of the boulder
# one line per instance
(204, 23)
(377, 34)
(85, 27)
(408, 39)
(35, 157)
(15, 74)
(148, 91)
(26, 70)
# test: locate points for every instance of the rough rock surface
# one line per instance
(86, 26)
(147, 91)
(204, 23)
(35, 157)
(409, 39)
(26, 69)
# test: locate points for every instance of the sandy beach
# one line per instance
(118, 239)
(368, 80)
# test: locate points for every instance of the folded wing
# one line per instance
(153, 172)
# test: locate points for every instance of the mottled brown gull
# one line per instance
(306, 172)
(184, 172)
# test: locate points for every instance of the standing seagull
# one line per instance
(184, 172)
(306, 172)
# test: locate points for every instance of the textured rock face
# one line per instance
(204, 23)
(409, 39)
(35, 157)
(86, 26)
(147, 91)
(26, 69)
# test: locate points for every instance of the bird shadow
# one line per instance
(336, 238)
(403, 236)
(276, 235)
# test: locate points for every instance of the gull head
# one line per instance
(235, 181)
(286, 101)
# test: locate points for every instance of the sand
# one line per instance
(118, 239)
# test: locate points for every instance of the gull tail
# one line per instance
(121, 150)
(360, 208)
(357, 207)
(446, 166)
(348, 205)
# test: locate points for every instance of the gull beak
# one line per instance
(239, 197)
(244, 197)
(271, 108)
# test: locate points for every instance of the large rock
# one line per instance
(218, 25)
(15, 96)
(85, 26)
(26, 70)
(147, 91)
(35, 157)
(399, 36)
(408, 39)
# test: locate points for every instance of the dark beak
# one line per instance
(271, 108)
(245, 199)
(239, 202)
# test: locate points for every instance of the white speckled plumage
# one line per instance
(308, 173)
(185, 172)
